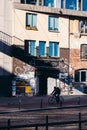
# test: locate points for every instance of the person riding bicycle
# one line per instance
(56, 93)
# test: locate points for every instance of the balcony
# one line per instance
(44, 9)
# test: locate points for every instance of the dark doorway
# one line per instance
(42, 84)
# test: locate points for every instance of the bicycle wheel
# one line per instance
(51, 100)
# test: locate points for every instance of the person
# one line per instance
(56, 93)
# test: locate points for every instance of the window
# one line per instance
(53, 49)
(41, 48)
(34, 2)
(69, 4)
(80, 76)
(49, 3)
(62, 3)
(53, 23)
(83, 26)
(31, 21)
(30, 47)
(84, 5)
(25, 1)
(83, 51)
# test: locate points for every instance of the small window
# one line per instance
(53, 49)
(83, 26)
(81, 76)
(84, 5)
(53, 23)
(84, 51)
(31, 21)
(41, 48)
(30, 47)
(49, 3)
(71, 4)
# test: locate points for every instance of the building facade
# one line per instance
(43, 44)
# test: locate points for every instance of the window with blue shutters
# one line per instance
(84, 5)
(31, 21)
(41, 48)
(53, 23)
(30, 47)
(69, 4)
(83, 26)
(49, 3)
(53, 49)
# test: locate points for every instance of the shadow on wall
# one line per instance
(19, 53)
(5, 83)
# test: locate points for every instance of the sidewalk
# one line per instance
(73, 92)
(35, 102)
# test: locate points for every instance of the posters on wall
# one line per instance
(24, 84)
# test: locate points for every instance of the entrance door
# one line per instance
(42, 84)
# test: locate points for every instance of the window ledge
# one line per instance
(83, 34)
(53, 31)
(31, 28)
(83, 59)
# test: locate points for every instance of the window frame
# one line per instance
(83, 29)
(31, 23)
(42, 53)
(53, 51)
(83, 51)
(28, 47)
(79, 75)
(53, 23)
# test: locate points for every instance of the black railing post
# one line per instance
(19, 104)
(9, 124)
(36, 128)
(78, 100)
(41, 103)
(80, 121)
(46, 122)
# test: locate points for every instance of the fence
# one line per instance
(47, 124)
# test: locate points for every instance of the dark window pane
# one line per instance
(83, 76)
(77, 76)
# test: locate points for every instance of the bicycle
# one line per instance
(55, 99)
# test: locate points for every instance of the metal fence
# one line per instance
(47, 124)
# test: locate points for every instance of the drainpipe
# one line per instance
(68, 54)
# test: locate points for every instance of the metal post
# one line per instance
(80, 121)
(9, 124)
(41, 103)
(36, 128)
(78, 100)
(46, 122)
(68, 54)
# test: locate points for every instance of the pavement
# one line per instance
(75, 97)
(73, 92)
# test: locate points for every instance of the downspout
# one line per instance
(68, 54)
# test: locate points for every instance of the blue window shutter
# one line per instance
(53, 23)
(56, 23)
(71, 4)
(84, 5)
(34, 20)
(32, 48)
(55, 49)
(41, 48)
(50, 49)
(28, 19)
